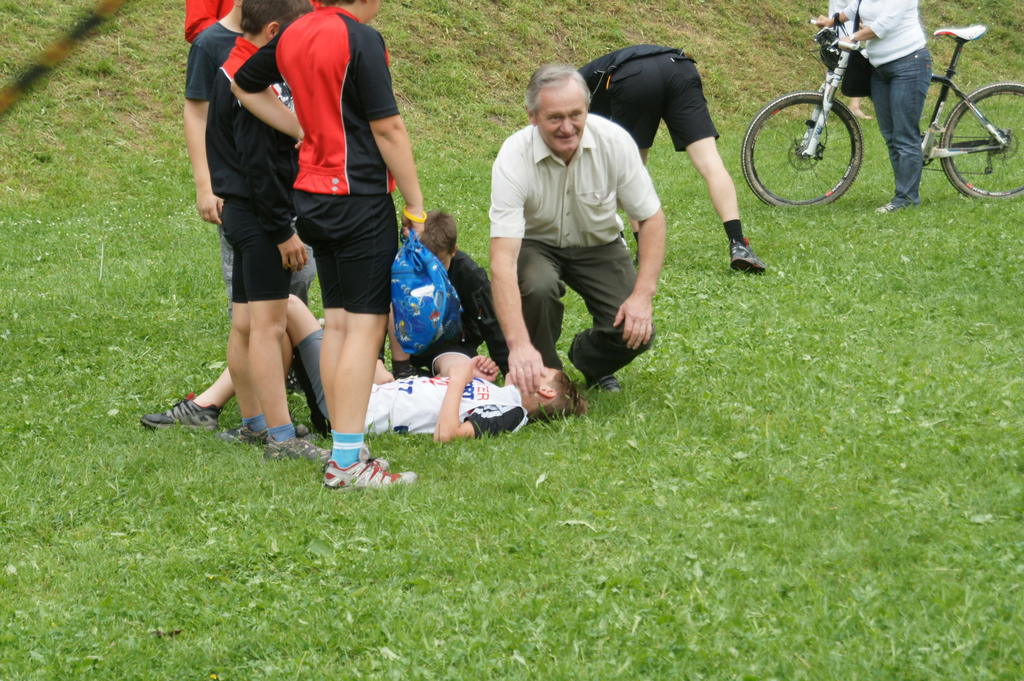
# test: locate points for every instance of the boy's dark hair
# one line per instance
(256, 14)
(440, 235)
(568, 402)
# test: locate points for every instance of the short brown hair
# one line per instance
(256, 14)
(440, 235)
(568, 401)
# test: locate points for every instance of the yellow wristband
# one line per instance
(419, 221)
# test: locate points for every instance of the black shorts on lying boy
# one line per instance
(338, 72)
(252, 167)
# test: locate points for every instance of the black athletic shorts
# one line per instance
(663, 86)
(258, 273)
(426, 361)
(354, 240)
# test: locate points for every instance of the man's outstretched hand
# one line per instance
(525, 367)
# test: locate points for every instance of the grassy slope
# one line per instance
(816, 474)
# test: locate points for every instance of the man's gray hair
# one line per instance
(552, 75)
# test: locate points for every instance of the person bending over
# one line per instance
(639, 86)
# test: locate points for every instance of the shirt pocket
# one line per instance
(598, 199)
(596, 208)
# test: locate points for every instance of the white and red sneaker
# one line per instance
(363, 475)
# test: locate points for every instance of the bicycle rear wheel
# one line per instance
(774, 166)
(993, 174)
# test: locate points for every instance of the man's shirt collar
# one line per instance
(541, 150)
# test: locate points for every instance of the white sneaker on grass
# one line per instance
(363, 475)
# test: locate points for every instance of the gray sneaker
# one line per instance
(244, 435)
(294, 448)
(186, 414)
(742, 257)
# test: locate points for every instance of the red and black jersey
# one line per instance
(249, 160)
(338, 72)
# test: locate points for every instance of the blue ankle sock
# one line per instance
(282, 433)
(257, 423)
(346, 448)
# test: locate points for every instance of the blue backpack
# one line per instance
(426, 307)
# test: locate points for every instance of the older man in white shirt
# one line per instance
(555, 189)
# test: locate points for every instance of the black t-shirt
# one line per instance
(594, 72)
(209, 51)
(250, 161)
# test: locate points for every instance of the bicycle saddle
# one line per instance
(968, 33)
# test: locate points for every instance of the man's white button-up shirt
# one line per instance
(536, 196)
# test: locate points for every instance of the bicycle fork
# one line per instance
(816, 123)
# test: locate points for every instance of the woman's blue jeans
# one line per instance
(898, 89)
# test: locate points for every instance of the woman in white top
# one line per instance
(835, 6)
(895, 46)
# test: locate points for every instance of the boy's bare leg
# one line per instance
(219, 393)
(238, 363)
(357, 338)
(301, 321)
(267, 321)
(335, 325)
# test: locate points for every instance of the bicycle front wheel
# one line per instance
(995, 171)
(775, 163)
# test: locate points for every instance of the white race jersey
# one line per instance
(413, 405)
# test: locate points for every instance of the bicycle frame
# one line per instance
(935, 128)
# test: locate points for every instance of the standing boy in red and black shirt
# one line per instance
(355, 151)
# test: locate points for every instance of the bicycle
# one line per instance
(794, 154)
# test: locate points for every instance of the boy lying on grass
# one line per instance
(465, 404)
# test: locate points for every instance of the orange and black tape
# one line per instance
(57, 52)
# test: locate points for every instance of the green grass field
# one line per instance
(815, 474)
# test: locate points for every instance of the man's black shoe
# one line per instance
(743, 258)
(606, 383)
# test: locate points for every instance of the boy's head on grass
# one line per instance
(557, 396)
(264, 19)
(440, 235)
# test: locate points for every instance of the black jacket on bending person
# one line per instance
(479, 321)
(598, 72)
(249, 160)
